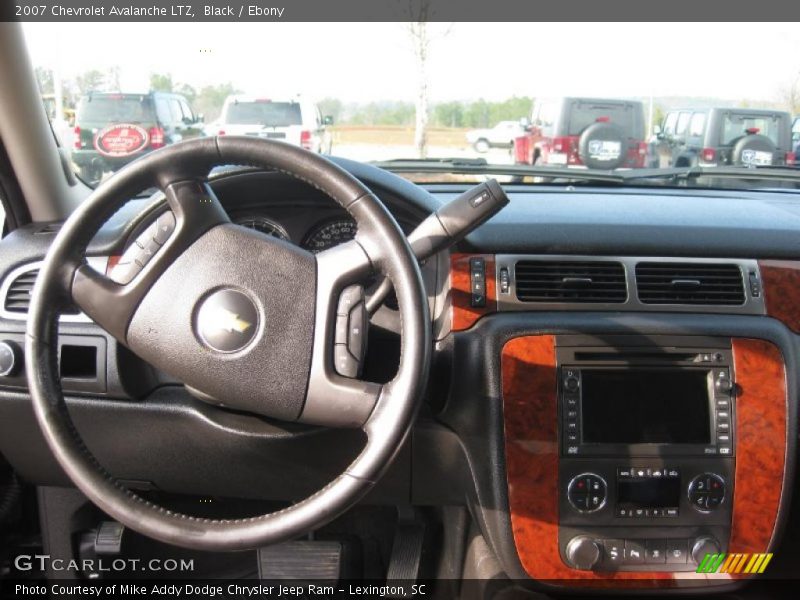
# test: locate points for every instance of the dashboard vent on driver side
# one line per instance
(570, 281)
(690, 283)
(18, 295)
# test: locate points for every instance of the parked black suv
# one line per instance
(111, 129)
(724, 136)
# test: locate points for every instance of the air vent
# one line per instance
(18, 296)
(570, 281)
(690, 283)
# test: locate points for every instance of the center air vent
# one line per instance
(18, 296)
(570, 281)
(690, 283)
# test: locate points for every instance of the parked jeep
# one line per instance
(724, 136)
(597, 133)
(111, 130)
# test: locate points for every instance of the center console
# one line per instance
(631, 457)
(646, 453)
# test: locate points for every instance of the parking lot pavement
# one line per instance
(378, 152)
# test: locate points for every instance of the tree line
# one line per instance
(464, 114)
(207, 100)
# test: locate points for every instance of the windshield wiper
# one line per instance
(766, 173)
(479, 166)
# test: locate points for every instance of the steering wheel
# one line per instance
(247, 320)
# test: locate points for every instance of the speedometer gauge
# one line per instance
(263, 225)
(330, 234)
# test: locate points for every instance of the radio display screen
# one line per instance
(645, 406)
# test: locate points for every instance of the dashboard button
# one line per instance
(677, 551)
(614, 551)
(634, 552)
(10, 358)
(656, 552)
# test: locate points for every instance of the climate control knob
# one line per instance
(587, 492)
(703, 546)
(583, 552)
(706, 492)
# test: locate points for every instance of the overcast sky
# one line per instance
(366, 61)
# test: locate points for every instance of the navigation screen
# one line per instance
(645, 406)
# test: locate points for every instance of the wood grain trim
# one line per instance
(761, 419)
(781, 285)
(464, 314)
(529, 383)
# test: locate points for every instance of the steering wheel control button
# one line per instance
(349, 297)
(350, 336)
(227, 321)
(706, 492)
(587, 492)
(10, 359)
(346, 364)
(356, 332)
(165, 225)
(143, 248)
(477, 280)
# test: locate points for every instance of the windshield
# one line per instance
(426, 99)
(268, 114)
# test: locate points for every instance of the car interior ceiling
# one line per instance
(444, 446)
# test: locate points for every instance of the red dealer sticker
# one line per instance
(120, 140)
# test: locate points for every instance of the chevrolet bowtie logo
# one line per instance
(226, 320)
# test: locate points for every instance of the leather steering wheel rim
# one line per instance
(380, 245)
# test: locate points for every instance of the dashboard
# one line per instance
(605, 318)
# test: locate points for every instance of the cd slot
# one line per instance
(651, 357)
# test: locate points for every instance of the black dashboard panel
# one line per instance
(640, 222)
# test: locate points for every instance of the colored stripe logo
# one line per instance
(734, 563)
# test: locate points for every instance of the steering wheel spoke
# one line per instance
(333, 399)
(112, 301)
